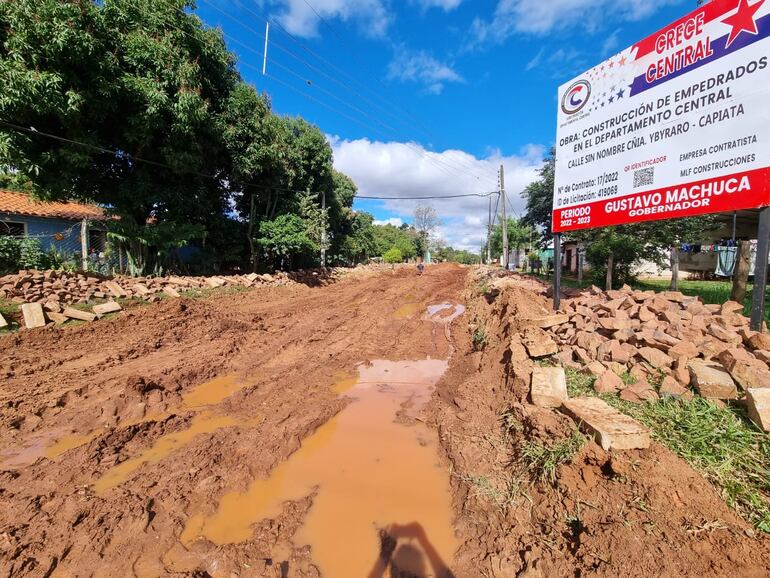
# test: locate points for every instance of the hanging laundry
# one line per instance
(725, 261)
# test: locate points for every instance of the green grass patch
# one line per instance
(543, 461)
(207, 292)
(721, 443)
(10, 312)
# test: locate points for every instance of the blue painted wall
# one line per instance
(62, 234)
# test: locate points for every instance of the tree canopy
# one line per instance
(139, 107)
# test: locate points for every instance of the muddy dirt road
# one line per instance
(144, 445)
(369, 428)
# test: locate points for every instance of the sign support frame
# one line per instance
(556, 271)
(760, 270)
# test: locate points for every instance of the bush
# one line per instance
(21, 253)
(393, 255)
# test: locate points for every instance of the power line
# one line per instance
(132, 158)
(424, 153)
(353, 53)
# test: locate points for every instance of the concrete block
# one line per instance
(610, 428)
(33, 315)
(548, 387)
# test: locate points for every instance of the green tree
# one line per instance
(359, 242)
(403, 238)
(285, 240)
(520, 234)
(393, 255)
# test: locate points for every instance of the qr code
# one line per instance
(644, 177)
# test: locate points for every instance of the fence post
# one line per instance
(84, 243)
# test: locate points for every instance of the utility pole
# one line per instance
(489, 233)
(505, 219)
(264, 56)
(323, 231)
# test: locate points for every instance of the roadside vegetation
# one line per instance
(719, 442)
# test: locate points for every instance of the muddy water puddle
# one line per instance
(381, 501)
(53, 443)
(203, 423)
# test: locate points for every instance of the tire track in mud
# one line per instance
(287, 344)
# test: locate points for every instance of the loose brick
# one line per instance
(550, 321)
(33, 315)
(758, 406)
(548, 387)
(610, 428)
(712, 380)
(115, 289)
(655, 357)
(608, 382)
(104, 308)
(73, 313)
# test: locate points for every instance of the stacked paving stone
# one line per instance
(48, 296)
(64, 287)
(694, 347)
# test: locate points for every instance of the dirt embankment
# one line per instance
(77, 403)
(629, 513)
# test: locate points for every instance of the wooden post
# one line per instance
(580, 266)
(84, 243)
(741, 271)
(610, 262)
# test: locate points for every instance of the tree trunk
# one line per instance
(741, 271)
(610, 261)
(674, 269)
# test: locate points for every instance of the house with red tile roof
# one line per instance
(57, 225)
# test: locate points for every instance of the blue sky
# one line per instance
(429, 97)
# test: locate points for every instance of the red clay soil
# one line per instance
(110, 390)
(620, 513)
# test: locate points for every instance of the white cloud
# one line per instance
(301, 20)
(445, 5)
(395, 221)
(611, 43)
(422, 68)
(542, 17)
(397, 169)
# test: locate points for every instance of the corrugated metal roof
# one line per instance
(23, 204)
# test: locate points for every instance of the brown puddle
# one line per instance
(212, 392)
(407, 310)
(382, 503)
(47, 445)
(203, 423)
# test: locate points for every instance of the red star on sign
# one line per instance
(742, 20)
